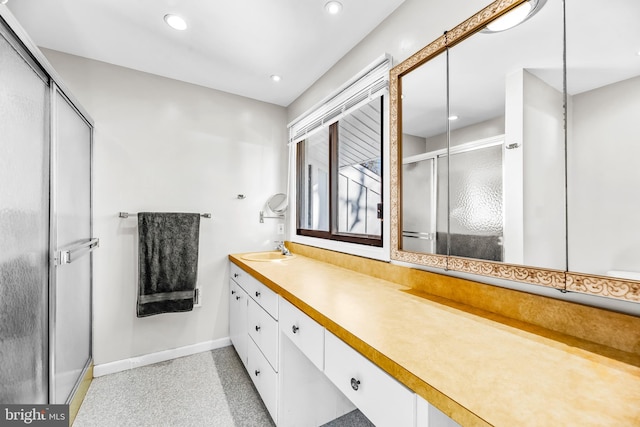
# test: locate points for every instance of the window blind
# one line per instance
(370, 83)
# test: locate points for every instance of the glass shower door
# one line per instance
(418, 211)
(71, 220)
(24, 226)
(476, 207)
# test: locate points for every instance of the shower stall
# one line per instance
(46, 236)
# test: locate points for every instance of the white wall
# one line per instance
(413, 145)
(603, 155)
(475, 132)
(544, 175)
(165, 145)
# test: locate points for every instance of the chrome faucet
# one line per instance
(282, 248)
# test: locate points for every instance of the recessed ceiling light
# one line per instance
(453, 117)
(175, 22)
(333, 7)
(276, 78)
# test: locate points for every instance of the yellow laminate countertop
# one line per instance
(475, 367)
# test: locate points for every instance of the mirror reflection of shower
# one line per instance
(477, 211)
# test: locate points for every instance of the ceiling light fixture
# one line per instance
(515, 16)
(175, 22)
(276, 78)
(333, 7)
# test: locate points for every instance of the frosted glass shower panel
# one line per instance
(73, 219)
(24, 229)
(476, 209)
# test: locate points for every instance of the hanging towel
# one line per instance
(167, 261)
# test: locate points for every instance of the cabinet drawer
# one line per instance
(381, 398)
(303, 331)
(256, 290)
(264, 331)
(264, 378)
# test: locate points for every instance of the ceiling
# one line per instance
(233, 46)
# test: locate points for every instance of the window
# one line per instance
(339, 178)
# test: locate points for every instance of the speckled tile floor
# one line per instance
(206, 389)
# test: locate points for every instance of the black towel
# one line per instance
(168, 262)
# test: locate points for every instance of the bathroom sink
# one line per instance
(266, 256)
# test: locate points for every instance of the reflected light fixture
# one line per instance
(515, 16)
(453, 117)
(333, 7)
(275, 77)
(175, 22)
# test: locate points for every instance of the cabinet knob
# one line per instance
(294, 328)
(233, 292)
(237, 297)
(257, 293)
(355, 384)
(236, 275)
(257, 372)
(257, 328)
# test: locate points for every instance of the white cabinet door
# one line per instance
(303, 331)
(428, 415)
(380, 397)
(238, 300)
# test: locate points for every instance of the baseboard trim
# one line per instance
(161, 356)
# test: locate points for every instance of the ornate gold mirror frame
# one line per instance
(559, 279)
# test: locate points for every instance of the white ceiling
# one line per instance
(233, 46)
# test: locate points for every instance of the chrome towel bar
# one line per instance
(127, 214)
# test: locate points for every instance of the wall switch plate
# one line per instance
(280, 228)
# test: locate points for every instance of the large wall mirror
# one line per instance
(603, 147)
(511, 161)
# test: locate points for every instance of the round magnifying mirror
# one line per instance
(278, 203)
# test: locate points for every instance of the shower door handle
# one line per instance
(67, 256)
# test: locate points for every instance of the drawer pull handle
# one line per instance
(294, 328)
(257, 328)
(237, 297)
(257, 293)
(355, 384)
(233, 292)
(236, 275)
(257, 372)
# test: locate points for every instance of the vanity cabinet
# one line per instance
(253, 329)
(380, 397)
(305, 375)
